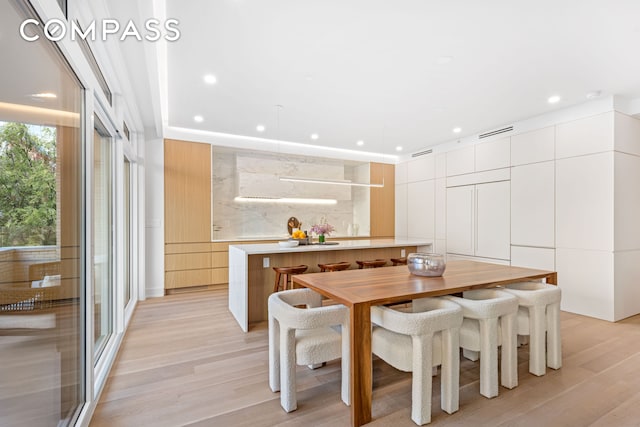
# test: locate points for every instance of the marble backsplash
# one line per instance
(234, 170)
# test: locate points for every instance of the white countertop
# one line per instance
(270, 248)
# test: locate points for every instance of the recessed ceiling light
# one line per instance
(593, 95)
(47, 95)
(553, 99)
(360, 143)
(198, 119)
(314, 136)
(260, 128)
(210, 79)
(398, 148)
(441, 60)
(457, 130)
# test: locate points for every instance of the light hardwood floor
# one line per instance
(185, 361)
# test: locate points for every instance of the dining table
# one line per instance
(360, 289)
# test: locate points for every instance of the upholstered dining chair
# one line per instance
(539, 318)
(490, 322)
(417, 341)
(305, 336)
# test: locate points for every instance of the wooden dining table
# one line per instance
(360, 289)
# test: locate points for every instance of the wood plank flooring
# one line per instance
(185, 362)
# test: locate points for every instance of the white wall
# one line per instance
(154, 222)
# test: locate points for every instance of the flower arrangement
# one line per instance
(322, 229)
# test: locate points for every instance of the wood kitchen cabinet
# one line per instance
(187, 192)
(188, 248)
(478, 220)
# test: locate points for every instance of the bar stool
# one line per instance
(335, 266)
(287, 272)
(399, 261)
(375, 263)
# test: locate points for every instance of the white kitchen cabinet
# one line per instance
(586, 278)
(532, 147)
(478, 220)
(492, 220)
(461, 219)
(627, 134)
(422, 168)
(441, 165)
(421, 209)
(401, 210)
(585, 202)
(585, 136)
(441, 208)
(461, 161)
(627, 201)
(533, 205)
(401, 171)
(528, 257)
(454, 257)
(493, 155)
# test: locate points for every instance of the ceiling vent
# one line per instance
(422, 153)
(495, 132)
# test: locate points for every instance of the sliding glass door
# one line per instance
(103, 213)
(42, 244)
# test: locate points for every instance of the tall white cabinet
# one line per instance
(533, 199)
(492, 220)
(561, 197)
(461, 220)
(478, 201)
(478, 220)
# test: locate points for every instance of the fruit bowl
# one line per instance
(288, 243)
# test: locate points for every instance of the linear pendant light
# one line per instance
(286, 200)
(330, 181)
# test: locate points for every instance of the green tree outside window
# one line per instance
(27, 185)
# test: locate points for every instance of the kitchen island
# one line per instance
(251, 277)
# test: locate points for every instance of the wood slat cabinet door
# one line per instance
(187, 188)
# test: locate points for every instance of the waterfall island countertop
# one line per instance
(251, 275)
(269, 248)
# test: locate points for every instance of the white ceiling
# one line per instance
(369, 69)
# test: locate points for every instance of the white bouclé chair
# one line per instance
(305, 336)
(417, 341)
(490, 322)
(539, 318)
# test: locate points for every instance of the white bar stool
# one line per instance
(416, 342)
(539, 316)
(305, 336)
(490, 322)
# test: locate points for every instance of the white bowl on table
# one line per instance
(288, 243)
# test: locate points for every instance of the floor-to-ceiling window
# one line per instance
(103, 213)
(42, 356)
(128, 242)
